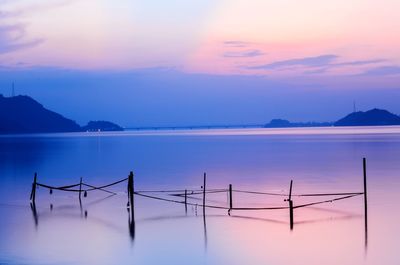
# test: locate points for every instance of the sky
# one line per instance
(179, 62)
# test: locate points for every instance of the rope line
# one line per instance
(298, 206)
(67, 188)
(326, 201)
(108, 185)
(328, 194)
(180, 193)
(261, 193)
(197, 193)
(57, 188)
(113, 193)
(183, 191)
(249, 208)
(260, 208)
(299, 195)
(181, 202)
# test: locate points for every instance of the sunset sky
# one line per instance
(202, 61)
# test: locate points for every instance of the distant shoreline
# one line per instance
(333, 130)
(30, 117)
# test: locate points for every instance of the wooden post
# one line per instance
(80, 189)
(185, 201)
(33, 191)
(291, 205)
(230, 198)
(365, 200)
(204, 210)
(365, 185)
(204, 192)
(291, 214)
(131, 191)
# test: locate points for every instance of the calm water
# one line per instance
(101, 232)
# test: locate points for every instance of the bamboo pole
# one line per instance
(291, 205)
(230, 199)
(204, 192)
(365, 186)
(185, 201)
(365, 200)
(131, 191)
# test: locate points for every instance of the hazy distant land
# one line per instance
(374, 117)
(22, 114)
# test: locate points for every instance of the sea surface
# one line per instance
(99, 229)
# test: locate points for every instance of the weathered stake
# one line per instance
(291, 214)
(131, 191)
(33, 191)
(204, 192)
(365, 185)
(230, 199)
(291, 205)
(365, 199)
(185, 201)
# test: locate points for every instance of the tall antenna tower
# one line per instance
(354, 106)
(12, 90)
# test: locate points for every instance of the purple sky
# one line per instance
(202, 62)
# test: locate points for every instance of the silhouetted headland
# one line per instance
(22, 114)
(374, 117)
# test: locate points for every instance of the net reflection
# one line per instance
(311, 215)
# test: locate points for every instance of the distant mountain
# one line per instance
(279, 123)
(94, 126)
(22, 114)
(374, 117)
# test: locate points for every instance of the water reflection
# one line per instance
(131, 224)
(167, 218)
(366, 231)
(84, 204)
(61, 209)
(252, 161)
(34, 214)
(205, 228)
(80, 206)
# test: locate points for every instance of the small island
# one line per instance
(280, 123)
(105, 126)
